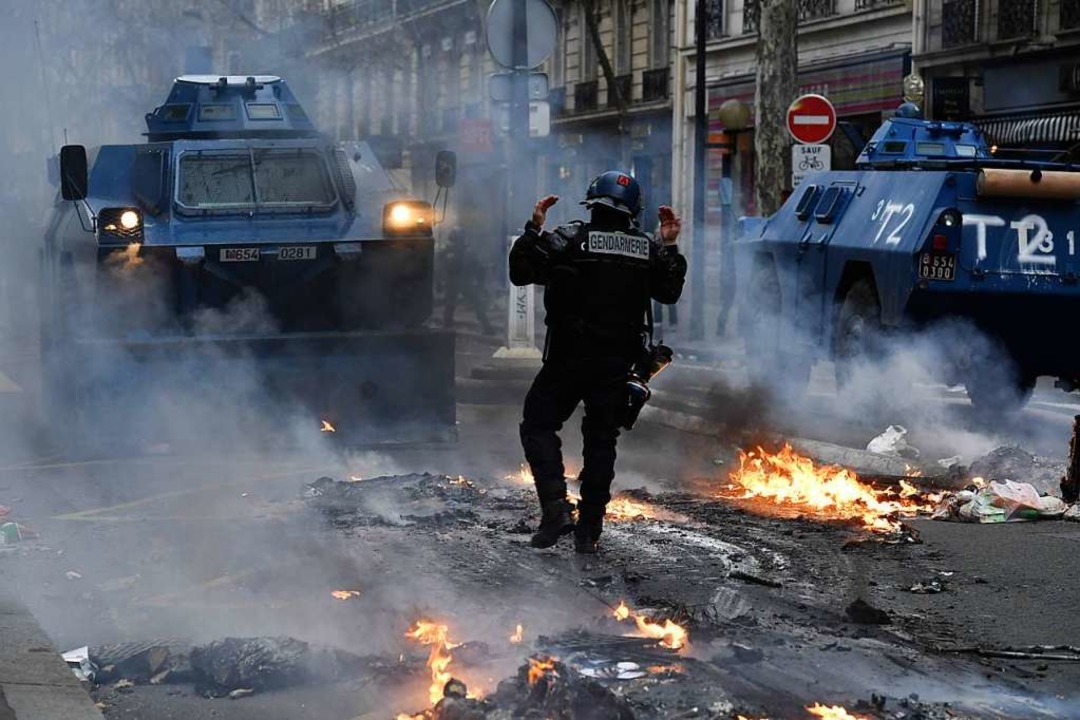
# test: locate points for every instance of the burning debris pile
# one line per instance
(226, 666)
(773, 482)
(428, 499)
(670, 635)
(543, 687)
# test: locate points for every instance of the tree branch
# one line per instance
(605, 62)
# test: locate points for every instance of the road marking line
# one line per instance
(90, 513)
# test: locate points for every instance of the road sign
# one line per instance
(541, 32)
(539, 118)
(475, 136)
(811, 119)
(808, 158)
(501, 86)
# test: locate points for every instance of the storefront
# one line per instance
(864, 89)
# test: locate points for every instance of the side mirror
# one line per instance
(73, 172)
(445, 168)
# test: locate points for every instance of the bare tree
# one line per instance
(777, 66)
(593, 24)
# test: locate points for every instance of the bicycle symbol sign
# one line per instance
(809, 158)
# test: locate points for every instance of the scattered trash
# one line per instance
(81, 665)
(612, 670)
(124, 685)
(12, 533)
(72, 575)
(1072, 513)
(267, 663)
(1067, 653)
(154, 662)
(241, 693)
(864, 613)
(1010, 462)
(927, 587)
(893, 442)
(951, 462)
(999, 502)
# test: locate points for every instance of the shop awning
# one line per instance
(1032, 129)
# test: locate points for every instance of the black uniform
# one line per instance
(598, 278)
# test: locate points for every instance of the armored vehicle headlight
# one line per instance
(125, 224)
(408, 217)
(950, 218)
(129, 220)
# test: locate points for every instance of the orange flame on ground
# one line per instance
(437, 636)
(827, 491)
(834, 712)
(327, 427)
(538, 668)
(669, 634)
(622, 508)
(345, 594)
(518, 635)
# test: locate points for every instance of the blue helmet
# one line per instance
(616, 190)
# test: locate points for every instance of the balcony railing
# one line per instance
(959, 22)
(654, 84)
(876, 4)
(808, 10)
(625, 84)
(1017, 18)
(350, 16)
(585, 95)
(1069, 14)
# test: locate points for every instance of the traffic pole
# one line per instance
(701, 129)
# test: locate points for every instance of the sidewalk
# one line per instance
(35, 682)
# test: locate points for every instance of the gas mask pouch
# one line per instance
(653, 361)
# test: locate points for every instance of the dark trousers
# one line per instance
(555, 393)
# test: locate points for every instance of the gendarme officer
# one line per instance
(599, 278)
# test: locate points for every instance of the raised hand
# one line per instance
(670, 225)
(540, 211)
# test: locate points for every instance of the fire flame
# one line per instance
(834, 712)
(539, 667)
(437, 636)
(622, 508)
(327, 427)
(345, 594)
(669, 634)
(518, 635)
(828, 491)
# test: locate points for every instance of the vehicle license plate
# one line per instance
(245, 254)
(937, 266)
(299, 252)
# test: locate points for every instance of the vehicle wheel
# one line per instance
(858, 330)
(1000, 393)
(769, 355)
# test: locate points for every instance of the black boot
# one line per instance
(554, 523)
(587, 532)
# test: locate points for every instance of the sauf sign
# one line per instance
(811, 120)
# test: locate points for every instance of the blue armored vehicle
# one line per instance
(239, 259)
(933, 229)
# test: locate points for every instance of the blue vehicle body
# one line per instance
(263, 249)
(931, 226)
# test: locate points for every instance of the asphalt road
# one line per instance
(203, 546)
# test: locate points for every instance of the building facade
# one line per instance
(854, 52)
(1012, 66)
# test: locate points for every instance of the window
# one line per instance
(660, 31)
(930, 148)
(588, 50)
(714, 19)
(623, 38)
(231, 180)
(263, 111)
(216, 112)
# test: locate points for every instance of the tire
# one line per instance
(768, 344)
(859, 331)
(1000, 393)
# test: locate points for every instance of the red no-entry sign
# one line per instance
(811, 119)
